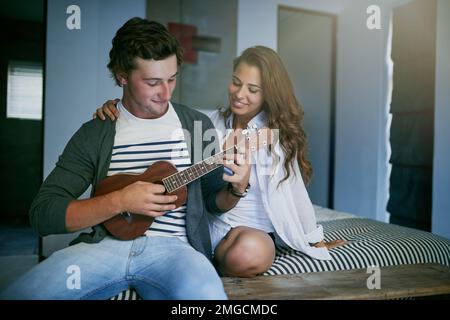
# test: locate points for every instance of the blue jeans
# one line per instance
(157, 267)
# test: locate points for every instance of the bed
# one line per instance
(371, 243)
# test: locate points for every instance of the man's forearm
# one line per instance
(81, 214)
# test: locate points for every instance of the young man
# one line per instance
(170, 261)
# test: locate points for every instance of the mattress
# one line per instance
(370, 243)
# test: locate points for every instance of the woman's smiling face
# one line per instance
(245, 91)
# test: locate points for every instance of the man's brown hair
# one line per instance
(141, 38)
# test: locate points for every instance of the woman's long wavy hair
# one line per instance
(282, 108)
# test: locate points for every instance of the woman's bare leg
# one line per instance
(244, 252)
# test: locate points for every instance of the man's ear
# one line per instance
(122, 79)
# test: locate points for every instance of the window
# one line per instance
(25, 87)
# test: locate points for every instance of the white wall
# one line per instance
(441, 165)
(76, 78)
(361, 175)
(305, 45)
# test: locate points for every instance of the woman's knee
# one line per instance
(251, 253)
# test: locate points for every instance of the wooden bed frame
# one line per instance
(402, 281)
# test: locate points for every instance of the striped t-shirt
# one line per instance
(138, 143)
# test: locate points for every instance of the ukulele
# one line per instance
(128, 226)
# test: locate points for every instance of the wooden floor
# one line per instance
(395, 282)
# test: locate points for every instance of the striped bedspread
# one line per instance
(371, 243)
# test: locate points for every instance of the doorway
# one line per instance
(21, 132)
(412, 109)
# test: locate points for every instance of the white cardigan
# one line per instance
(287, 204)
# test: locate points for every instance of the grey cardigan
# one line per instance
(85, 161)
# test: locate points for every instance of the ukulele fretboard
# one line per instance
(182, 178)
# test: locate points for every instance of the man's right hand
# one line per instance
(109, 108)
(145, 198)
(139, 197)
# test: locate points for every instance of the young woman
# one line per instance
(276, 207)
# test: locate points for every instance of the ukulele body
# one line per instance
(128, 226)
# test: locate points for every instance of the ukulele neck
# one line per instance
(182, 178)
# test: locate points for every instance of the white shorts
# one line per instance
(217, 230)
